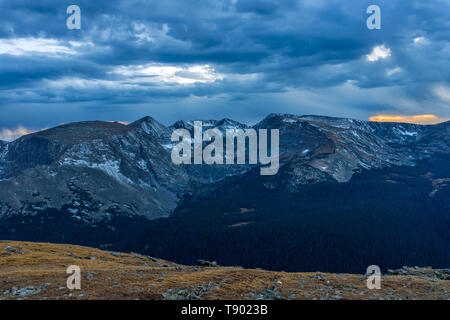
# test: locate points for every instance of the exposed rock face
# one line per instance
(153, 128)
(428, 272)
(93, 168)
(339, 146)
(206, 263)
(118, 167)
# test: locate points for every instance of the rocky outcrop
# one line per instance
(206, 263)
(427, 272)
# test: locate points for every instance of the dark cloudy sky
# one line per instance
(211, 59)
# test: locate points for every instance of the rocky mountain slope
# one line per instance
(93, 169)
(30, 271)
(89, 169)
(340, 147)
(108, 176)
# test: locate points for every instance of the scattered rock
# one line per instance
(206, 263)
(427, 272)
(151, 259)
(24, 292)
(188, 293)
(13, 250)
(271, 293)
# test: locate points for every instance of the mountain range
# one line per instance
(104, 183)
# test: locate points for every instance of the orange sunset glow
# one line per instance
(418, 119)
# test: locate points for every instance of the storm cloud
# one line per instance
(208, 59)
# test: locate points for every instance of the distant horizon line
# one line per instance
(9, 135)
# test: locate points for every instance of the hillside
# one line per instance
(38, 271)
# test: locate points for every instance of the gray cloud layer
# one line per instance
(241, 59)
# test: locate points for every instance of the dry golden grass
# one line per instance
(133, 276)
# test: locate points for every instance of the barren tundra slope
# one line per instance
(38, 271)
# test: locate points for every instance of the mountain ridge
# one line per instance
(137, 155)
(103, 182)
